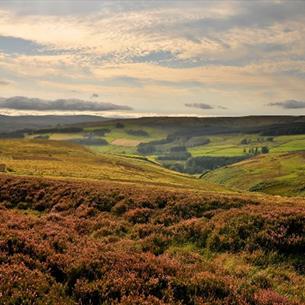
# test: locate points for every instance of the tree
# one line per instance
(265, 150)
(119, 125)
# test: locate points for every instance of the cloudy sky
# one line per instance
(156, 57)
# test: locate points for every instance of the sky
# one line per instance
(174, 57)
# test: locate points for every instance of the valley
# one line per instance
(96, 213)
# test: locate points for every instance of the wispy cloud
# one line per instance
(25, 103)
(15, 45)
(156, 54)
(204, 106)
(199, 106)
(289, 104)
(4, 83)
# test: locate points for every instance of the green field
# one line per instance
(66, 160)
(275, 173)
(220, 145)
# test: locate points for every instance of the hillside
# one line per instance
(277, 173)
(82, 227)
(67, 160)
(85, 242)
(209, 125)
(13, 123)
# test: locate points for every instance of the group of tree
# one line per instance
(151, 147)
(257, 150)
(178, 156)
(198, 165)
(101, 132)
(119, 125)
(201, 164)
(58, 129)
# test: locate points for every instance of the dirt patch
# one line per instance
(126, 142)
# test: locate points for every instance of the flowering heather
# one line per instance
(64, 242)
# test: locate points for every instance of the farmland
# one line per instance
(195, 147)
(67, 160)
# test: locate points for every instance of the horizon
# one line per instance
(156, 58)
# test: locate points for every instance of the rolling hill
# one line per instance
(79, 227)
(67, 160)
(277, 173)
(195, 146)
(13, 123)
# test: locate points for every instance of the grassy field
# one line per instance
(229, 145)
(221, 145)
(67, 160)
(274, 173)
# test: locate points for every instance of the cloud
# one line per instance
(25, 103)
(289, 104)
(152, 54)
(199, 105)
(204, 106)
(14, 45)
(4, 83)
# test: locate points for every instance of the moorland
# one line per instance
(183, 211)
(264, 153)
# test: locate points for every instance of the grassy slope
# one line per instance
(276, 173)
(60, 159)
(246, 177)
(229, 145)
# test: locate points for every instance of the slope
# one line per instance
(66, 160)
(85, 242)
(276, 173)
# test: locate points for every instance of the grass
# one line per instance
(289, 143)
(62, 159)
(275, 173)
(120, 133)
(220, 145)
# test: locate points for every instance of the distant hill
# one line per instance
(192, 126)
(13, 123)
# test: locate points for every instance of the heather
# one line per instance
(64, 242)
